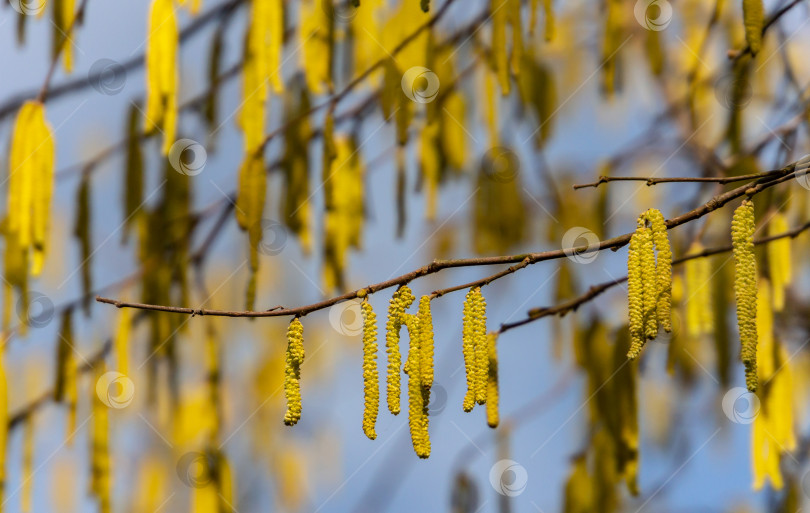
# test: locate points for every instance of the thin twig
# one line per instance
(573, 304)
(525, 259)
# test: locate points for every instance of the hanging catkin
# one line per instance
(468, 341)
(292, 371)
(481, 357)
(779, 264)
(4, 417)
(161, 72)
(699, 318)
(400, 301)
(493, 416)
(426, 342)
(371, 380)
(100, 478)
(663, 268)
(31, 176)
(745, 287)
(649, 280)
(418, 399)
(753, 19)
(635, 293)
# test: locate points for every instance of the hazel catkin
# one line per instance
(699, 315)
(663, 268)
(371, 382)
(292, 371)
(493, 415)
(635, 294)
(745, 288)
(779, 263)
(480, 330)
(426, 342)
(468, 347)
(649, 280)
(418, 395)
(400, 301)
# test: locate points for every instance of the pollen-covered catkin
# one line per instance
(400, 301)
(663, 268)
(745, 287)
(649, 284)
(418, 395)
(468, 347)
(635, 294)
(493, 416)
(426, 342)
(292, 371)
(480, 329)
(371, 381)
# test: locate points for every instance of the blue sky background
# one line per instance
(703, 467)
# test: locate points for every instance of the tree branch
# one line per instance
(773, 178)
(573, 304)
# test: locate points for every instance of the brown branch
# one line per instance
(525, 259)
(682, 179)
(573, 304)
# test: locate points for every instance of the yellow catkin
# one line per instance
(27, 464)
(779, 263)
(3, 420)
(100, 477)
(649, 285)
(635, 293)
(292, 371)
(745, 287)
(481, 358)
(426, 342)
(493, 415)
(663, 268)
(316, 44)
(699, 319)
(371, 380)
(161, 72)
(418, 395)
(31, 176)
(765, 341)
(122, 340)
(753, 20)
(468, 341)
(400, 301)
(499, 10)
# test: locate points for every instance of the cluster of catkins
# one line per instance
(480, 357)
(745, 287)
(649, 281)
(292, 371)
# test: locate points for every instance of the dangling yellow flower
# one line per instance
(31, 177)
(401, 301)
(493, 416)
(779, 262)
(371, 380)
(745, 287)
(418, 395)
(292, 371)
(161, 72)
(699, 319)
